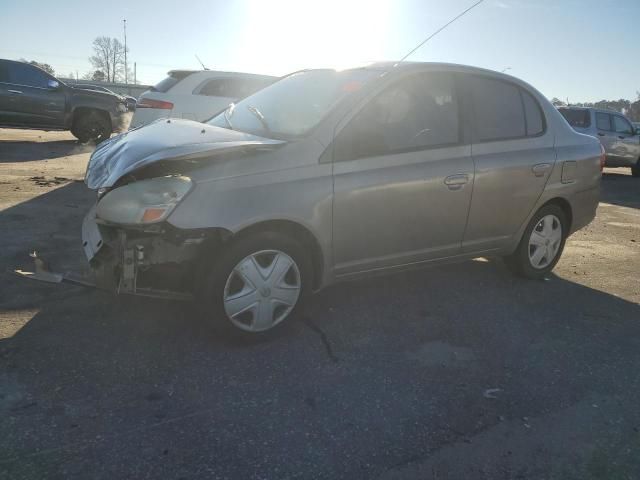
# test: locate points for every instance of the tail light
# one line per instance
(151, 103)
(602, 157)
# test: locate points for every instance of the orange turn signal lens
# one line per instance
(153, 214)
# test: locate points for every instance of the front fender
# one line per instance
(300, 195)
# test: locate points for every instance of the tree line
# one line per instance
(107, 62)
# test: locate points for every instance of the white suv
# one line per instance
(195, 94)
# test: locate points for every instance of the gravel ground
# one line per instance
(459, 371)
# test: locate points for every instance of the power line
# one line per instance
(126, 78)
(440, 29)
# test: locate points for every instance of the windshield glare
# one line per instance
(294, 105)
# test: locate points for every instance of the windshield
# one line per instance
(294, 105)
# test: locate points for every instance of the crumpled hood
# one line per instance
(174, 139)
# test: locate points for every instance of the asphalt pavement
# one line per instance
(456, 372)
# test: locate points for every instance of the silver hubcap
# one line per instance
(544, 242)
(262, 290)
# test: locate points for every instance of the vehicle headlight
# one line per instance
(121, 107)
(143, 202)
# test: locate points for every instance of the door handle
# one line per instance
(539, 169)
(456, 182)
(600, 134)
(17, 92)
(621, 137)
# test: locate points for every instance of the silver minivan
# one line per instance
(619, 137)
(331, 175)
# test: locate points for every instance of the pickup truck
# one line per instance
(31, 98)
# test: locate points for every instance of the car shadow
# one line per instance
(48, 224)
(20, 151)
(620, 188)
(87, 370)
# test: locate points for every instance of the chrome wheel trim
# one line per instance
(261, 290)
(544, 241)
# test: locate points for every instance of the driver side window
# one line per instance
(23, 74)
(417, 112)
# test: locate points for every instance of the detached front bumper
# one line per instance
(158, 260)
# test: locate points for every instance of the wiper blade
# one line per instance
(258, 114)
(228, 112)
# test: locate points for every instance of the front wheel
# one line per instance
(635, 170)
(256, 284)
(542, 243)
(91, 126)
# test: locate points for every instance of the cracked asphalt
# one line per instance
(459, 371)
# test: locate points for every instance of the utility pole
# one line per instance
(126, 73)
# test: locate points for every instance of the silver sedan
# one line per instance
(330, 175)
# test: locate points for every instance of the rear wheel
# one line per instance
(91, 126)
(542, 243)
(256, 284)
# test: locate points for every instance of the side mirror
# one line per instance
(53, 84)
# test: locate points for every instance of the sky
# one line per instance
(583, 50)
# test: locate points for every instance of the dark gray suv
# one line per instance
(31, 98)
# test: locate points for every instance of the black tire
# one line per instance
(519, 261)
(91, 126)
(214, 276)
(635, 170)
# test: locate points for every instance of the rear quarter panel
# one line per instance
(578, 157)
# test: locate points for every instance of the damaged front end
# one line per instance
(140, 177)
(156, 260)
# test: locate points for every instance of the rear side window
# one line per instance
(577, 118)
(236, 88)
(23, 74)
(170, 82)
(417, 112)
(621, 125)
(603, 121)
(533, 114)
(498, 110)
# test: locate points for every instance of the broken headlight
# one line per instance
(143, 202)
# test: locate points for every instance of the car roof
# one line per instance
(601, 110)
(394, 65)
(398, 67)
(213, 73)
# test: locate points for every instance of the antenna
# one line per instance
(200, 61)
(439, 30)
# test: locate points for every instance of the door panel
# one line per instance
(626, 143)
(397, 209)
(38, 106)
(27, 101)
(6, 116)
(402, 176)
(513, 156)
(510, 177)
(606, 135)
